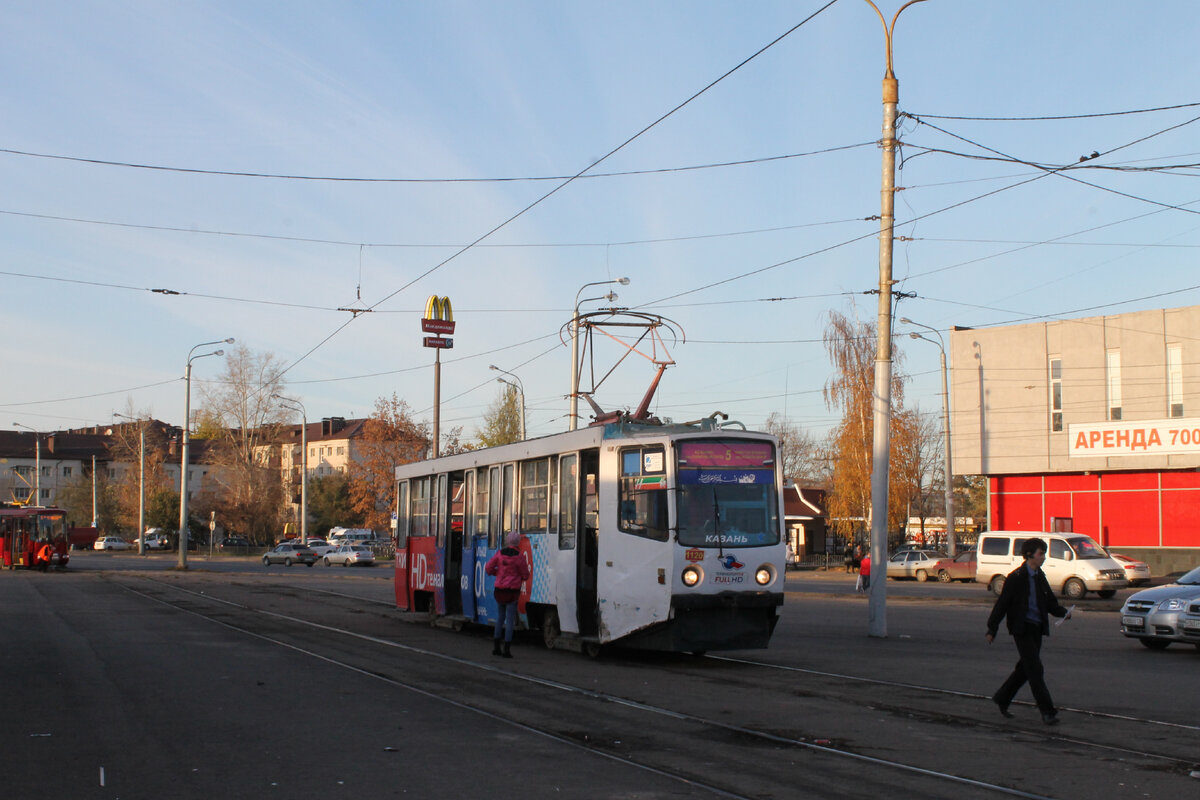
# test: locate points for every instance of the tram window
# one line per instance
(507, 497)
(535, 495)
(568, 487)
(643, 499)
(494, 509)
(402, 510)
(481, 503)
(420, 507)
(439, 511)
(553, 512)
(468, 507)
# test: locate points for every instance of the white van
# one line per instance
(338, 536)
(1075, 564)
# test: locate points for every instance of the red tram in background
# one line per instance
(24, 529)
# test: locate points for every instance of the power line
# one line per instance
(508, 179)
(426, 245)
(566, 182)
(1062, 116)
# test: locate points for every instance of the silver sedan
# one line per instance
(918, 564)
(1155, 617)
(348, 554)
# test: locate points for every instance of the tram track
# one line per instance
(303, 631)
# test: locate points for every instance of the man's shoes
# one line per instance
(1004, 712)
(1051, 718)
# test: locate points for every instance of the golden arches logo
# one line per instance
(439, 308)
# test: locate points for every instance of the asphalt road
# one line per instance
(128, 679)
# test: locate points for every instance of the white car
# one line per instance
(348, 554)
(321, 547)
(1138, 572)
(111, 543)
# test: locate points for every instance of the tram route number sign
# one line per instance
(439, 341)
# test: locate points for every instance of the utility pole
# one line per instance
(882, 409)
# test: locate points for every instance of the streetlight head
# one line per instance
(229, 340)
(623, 281)
(906, 320)
(493, 366)
(219, 353)
(913, 335)
(610, 297)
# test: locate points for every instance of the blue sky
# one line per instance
(475, 90)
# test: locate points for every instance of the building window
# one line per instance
(1056, 400)
(45, 472)
(312, 452)
(67, 472)
(1175, 380)
(1112, 372)
(341, 451)
(45, 494)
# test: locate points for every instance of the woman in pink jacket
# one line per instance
(510, 570)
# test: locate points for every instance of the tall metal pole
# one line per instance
(184, 533)
(437, 402)
(574, 415)
(142, 490)
(882, 407)
(95, 510)
(951, 536)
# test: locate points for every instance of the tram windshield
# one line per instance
(726, 494)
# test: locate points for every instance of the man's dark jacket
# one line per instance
(1013, 603)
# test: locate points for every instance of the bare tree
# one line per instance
(799, 452)
(918, 464)
(247, 494)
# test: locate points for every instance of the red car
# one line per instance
(959, 568)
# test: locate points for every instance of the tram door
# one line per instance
(588, 551)
(456, 499)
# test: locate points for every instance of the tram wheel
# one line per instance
(550, 629)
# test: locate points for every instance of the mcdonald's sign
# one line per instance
(439, 316)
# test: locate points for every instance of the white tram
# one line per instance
(653, 536)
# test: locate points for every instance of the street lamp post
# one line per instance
(303, 462)
(574, 419)
(520, 387)
(37, 463)
(183, 461)
(949, 473)
(882, 406)
(141, 483)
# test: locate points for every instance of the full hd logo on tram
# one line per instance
(729, 561)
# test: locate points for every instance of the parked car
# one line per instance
(111, 543)
(1155, 617)
(918, 564)
(321, 547)
(1138, 572)
(234, 544)
(348, 554)
(158, 541)
(960, 568)
(290, 553)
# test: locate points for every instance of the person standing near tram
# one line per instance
(510, 570)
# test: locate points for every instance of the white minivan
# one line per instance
(1075, 564)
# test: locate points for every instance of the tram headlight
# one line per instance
(764, 575)
(691, 576)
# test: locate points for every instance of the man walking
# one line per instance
(1024, 604)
